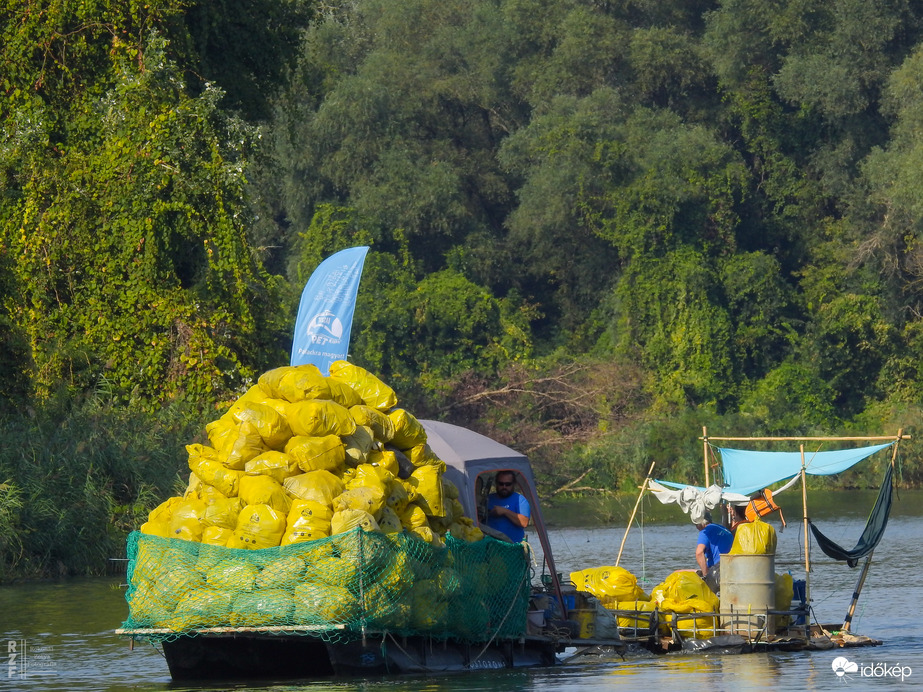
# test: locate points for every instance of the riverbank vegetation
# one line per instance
(595, 229)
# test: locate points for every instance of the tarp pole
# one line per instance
(705, 452)
(868, 561)
(855, 594)
(632, 517)
(807, 543)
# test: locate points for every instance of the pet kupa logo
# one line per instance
(842, 666)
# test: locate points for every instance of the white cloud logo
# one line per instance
(325, 328)
(842, 665)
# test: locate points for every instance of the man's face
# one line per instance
(504, 484)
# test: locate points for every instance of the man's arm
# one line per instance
(515, 517)
(700, 558)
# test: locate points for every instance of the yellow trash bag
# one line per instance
(637, 620)
(327, 453)
(318, 603)
(320, 486)
(232, 574)
(349, 519)
(754, 538)
(370, 417)
(295, 383)
(413, 517)
(423, 455)
(186, 520)
(359, 445)
(342, 393)
(371, 476)
(683, 585)
(236, 442)
(222, 513)
(216, 535)
(427, 480)
(385, 459)
(277, 465)
(204, 464)
(263, 490)
(272, 426)
(307, 521)
(389, 522)
(698, 628)
(368, 499)
(258, 526)
(201, 608)
(163, 512)
(408, 431)
(373, 391)
(610, 584)
(262, 608)
(397, 498)
(317, 417)
(156, 528)
(282, 573)
(785, 593)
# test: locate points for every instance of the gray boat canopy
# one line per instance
(470, 457)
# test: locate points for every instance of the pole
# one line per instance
(632, 518)
(855, 594)
(705, 452)
(807, 544)
(868, 561)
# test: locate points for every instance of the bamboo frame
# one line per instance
(632, 517)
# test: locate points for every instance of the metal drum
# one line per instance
(748, 591)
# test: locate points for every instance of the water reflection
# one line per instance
(71, 623)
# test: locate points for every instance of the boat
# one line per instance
(528, 624)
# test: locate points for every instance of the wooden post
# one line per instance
(632, 518)
(705, 452)
(855, 594)
(807, 544)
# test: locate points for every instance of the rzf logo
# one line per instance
(15, 651)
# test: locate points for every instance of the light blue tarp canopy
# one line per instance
(746, 471)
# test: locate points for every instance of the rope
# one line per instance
(500, 626)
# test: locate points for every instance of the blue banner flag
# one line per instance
(325, 314)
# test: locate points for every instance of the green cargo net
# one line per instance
(335, 588)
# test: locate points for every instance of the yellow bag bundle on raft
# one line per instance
(272, 426)
(373, 391)
(261, 608)
(320, 486)
(684, 585)
(348, 519)
(427, 480)
(307, 521)
(368, 499)
(258, 526)
(610, 584)
(276, 465)
(235, 442)
(408, 431)
(698, 627)
(640, 621)
(263, 490)
(380, 424)
(317, 417)
(201, 608)
(295, 383)
(324, 453)
(359, 445)
(203, 462)
(754, 538)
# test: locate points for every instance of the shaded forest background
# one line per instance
(595, 228)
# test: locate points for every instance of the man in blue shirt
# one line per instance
(507, 511)
(714, 541)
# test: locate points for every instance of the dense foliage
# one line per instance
(595, 227)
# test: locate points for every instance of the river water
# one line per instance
(62, 632)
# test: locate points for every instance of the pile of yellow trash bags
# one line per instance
(682, 592)
(302, 456)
